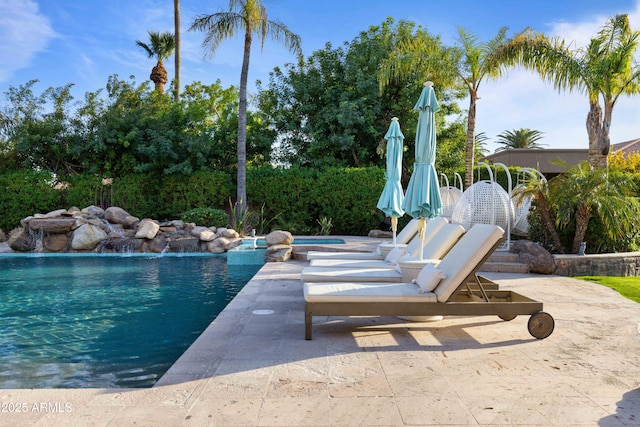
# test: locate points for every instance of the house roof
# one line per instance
(542, 159)
(627, 147)
(545, 159)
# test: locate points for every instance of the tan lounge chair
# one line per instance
(461, 293)
(404, 237)
(432, 228)
(383, 271)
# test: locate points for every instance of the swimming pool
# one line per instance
(106, 321)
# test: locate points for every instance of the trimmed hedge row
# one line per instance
(300, 197)
(23, 193)
(295, 198)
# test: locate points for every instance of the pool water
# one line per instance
(106, 321)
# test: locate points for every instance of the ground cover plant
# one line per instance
(628, 287)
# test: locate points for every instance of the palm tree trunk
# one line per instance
(471, 129)
(594, 117)
(176, 20)
(583, 215)
(604, 143)
(159, 77)
(543, 206)
(242, 129)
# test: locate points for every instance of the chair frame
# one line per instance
(474, 296)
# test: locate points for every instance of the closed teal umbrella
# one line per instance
(423, 200)
(391, 199)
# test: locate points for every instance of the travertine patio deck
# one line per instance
(256, 369)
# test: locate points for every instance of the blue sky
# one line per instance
(83, 42)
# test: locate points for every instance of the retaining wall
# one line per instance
(618, 264)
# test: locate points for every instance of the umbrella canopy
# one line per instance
(391, 199)
(423, 192)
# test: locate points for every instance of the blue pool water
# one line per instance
(246, 254)
(106, 321)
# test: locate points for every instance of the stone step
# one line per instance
(504, 267)
(503, 256)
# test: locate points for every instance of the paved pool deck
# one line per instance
(252, 367)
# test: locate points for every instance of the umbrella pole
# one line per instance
(394, 228)
(422, 224)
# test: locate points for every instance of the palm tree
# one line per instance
(250, 16)
(471, 62)
(519, 138)
(583, 192)
(162, 46)
(604, 70)
(176, 23)
(537, 188)
(480, 146)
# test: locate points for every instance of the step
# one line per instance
(501, 256)
(504, 267)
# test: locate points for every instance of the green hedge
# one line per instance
(299, 197)
(25, 193)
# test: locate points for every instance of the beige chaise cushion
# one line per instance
(362, 292)
(438, 244)
(404, 237)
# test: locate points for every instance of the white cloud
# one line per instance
(23, 33)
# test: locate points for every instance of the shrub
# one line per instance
(206, 217)
(25, 192)
(299, 197)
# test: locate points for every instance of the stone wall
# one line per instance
(619, 264)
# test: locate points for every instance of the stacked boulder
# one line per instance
(93, 229)
(278, 246)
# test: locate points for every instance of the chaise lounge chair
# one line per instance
(460, 293)
(384, 271)
(404, 237)
(413, 249)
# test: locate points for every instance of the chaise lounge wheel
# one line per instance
(541, 325)
(507, 317)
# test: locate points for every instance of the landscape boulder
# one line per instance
(55, 242)
(86, 237)
(278, 253)
(147, 229)
(538, 259)
(21, 241)
(52, 225)
(118, 215)
(279, 237)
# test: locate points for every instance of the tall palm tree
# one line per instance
(176, 25)
(161, 47)
(472, 61)
(250, 16)
(604, 70)
(519, 138)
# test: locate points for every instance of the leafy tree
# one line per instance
(519, 138)
(127, 128)
(605, 69)
(470, 63)
(250, 16)
(328, 111)
(161, 47)
(37, 128)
